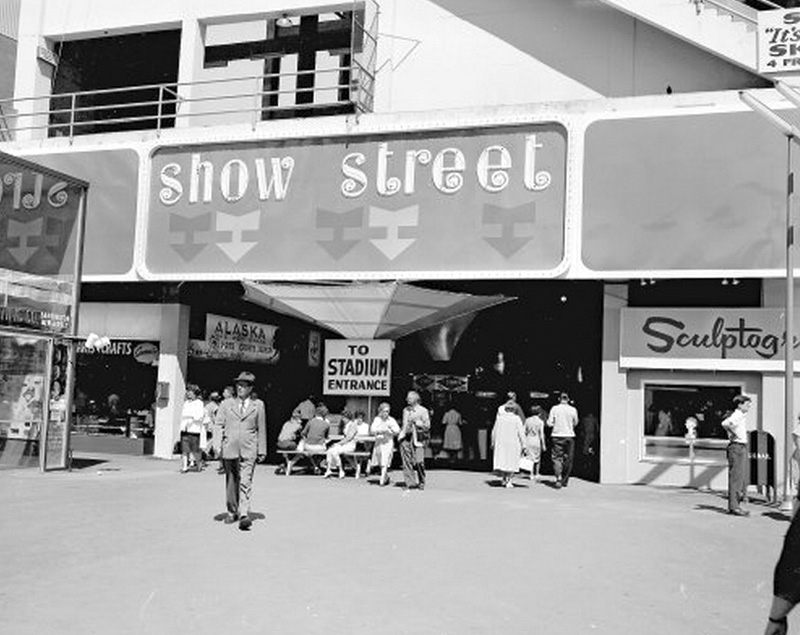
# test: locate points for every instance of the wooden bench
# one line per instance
(357, 455)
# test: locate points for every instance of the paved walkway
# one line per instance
(131, 546)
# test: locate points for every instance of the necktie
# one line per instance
(241, 407)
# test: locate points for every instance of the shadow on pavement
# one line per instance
(82, 464)
(711, 508)
(252, 515)
(776, 515)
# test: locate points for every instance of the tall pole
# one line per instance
(789, 319)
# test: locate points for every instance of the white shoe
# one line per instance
(509, 485)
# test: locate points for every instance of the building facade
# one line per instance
(591, 160)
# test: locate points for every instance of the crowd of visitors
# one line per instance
(332, 443)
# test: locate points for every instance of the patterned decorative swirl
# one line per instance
(58, 195)
(542, 180)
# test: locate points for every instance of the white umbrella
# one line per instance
(369, 310)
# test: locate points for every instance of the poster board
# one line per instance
(358, 368)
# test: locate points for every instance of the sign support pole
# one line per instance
(786, 505)
(72, 344)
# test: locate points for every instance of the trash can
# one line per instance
(762, 463)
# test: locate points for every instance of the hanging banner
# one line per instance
(358, 367)
(779, 41)
(471, 200)
(239, 340)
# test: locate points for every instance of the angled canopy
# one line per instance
(380, 310)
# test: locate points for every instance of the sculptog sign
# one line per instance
(358, 367)
(717, 339)
(469, 200)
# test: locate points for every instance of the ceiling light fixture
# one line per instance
(284, 21)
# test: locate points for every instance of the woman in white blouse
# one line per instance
(192, 415)
(384, 428)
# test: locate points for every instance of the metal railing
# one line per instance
(738, 9)
(160, 106)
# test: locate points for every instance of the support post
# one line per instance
(789, 319)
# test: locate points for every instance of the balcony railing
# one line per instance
(205, 102)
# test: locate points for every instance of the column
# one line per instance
(33, 77)
(190, 65)
(615, 446)
(172, 371)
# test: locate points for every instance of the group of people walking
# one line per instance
(518, 443)
(231, 427)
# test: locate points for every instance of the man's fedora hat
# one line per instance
(245, 377)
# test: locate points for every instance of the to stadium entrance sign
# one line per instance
(358, 367)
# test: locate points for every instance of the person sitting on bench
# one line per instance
(314, 437)
(347, 444)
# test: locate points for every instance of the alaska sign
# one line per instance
(470, 200)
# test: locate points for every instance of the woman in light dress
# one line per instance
(534, 439)
(384, 428)
(453, 443)
(508, 439)
(346, 444)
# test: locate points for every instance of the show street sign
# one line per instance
(707, 339)
(472, 200)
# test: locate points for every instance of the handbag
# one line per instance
(526, 464)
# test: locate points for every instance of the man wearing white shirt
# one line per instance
(563, 419)
(736, 427)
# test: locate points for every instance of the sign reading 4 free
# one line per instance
(469, 200)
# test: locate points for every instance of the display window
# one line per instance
(683, 422)
(115, 389)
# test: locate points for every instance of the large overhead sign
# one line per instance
(475, 200)
(692, 204)
(110, 208)
(779, 41)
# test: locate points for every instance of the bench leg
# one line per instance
(358, 468)
(289, 465)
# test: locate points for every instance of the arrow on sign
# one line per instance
(237, 248)
(189, 227)
(509, 242)
(337, 245)
(392, 246)
(21, 234)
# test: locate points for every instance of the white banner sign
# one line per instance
(229, 338)
(709, 339)
(779, 41)
(358, 367)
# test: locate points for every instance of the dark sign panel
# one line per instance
(111, 206)
(700, 192)
(39, 213)
(468, 201)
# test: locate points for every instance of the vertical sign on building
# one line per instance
(42, 214)
(358, 368)
(779, 41)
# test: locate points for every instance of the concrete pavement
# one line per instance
(128, 545)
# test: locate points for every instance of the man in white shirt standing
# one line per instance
(563, 419)
(736, 427)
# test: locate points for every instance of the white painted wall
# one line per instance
(433, 54)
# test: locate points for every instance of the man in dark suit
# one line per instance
(244, 441)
